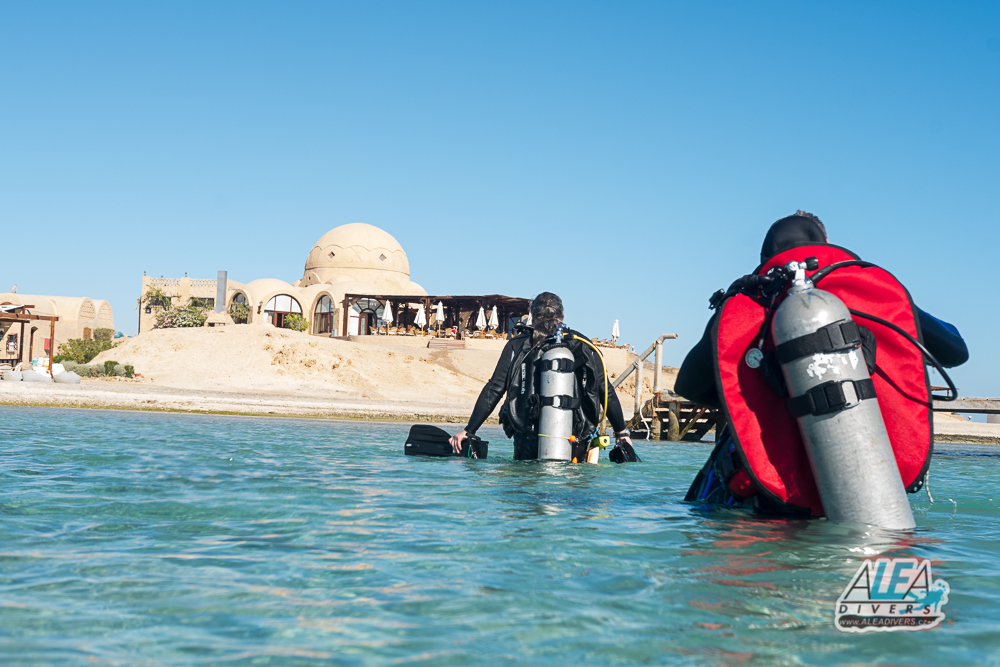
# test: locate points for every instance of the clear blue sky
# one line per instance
(628, 156)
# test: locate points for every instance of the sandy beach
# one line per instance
(263, 370)
(275, 372)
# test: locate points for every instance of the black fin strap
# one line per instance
(562, 402)
(842, 335)
(557, 365)
(830, 397)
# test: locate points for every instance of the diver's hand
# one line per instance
(623, 437)
(456, 441)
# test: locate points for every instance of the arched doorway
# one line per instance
(323, 316)
(239, 308)
(365, 317)
(279, 307)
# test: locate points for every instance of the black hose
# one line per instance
(927, 355)
(826, 270)
(822, 273)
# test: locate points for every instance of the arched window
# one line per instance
(365, 316)
(323, 316)
(279, 307)
(239, 309)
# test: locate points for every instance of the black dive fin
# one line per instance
(427, 440)
(623, 453)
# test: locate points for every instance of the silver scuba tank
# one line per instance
(834, 402)
(555, 422)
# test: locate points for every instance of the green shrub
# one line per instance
(82, 351)
(296, 322)
(129, 371)
(109, 368)
(173, 318)
(240, 312)
(104, 334)
(88, 371)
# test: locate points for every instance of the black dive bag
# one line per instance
(427, 440)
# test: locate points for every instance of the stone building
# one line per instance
(78, 318)
(351, 259)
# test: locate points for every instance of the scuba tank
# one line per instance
(557, 399)
(833, 400)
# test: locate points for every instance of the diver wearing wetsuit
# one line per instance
(547, 316)
(696, 377)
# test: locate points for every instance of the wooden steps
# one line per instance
(672, 417)
(445, 344)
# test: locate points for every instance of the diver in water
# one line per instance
(759, 458)
(696, 378)
(517, 375)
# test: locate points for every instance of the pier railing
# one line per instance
(637, 367)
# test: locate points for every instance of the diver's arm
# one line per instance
(943, 340)
(696, 377)
(615, 416)
(494, 390)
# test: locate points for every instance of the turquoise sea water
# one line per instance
(148, 539)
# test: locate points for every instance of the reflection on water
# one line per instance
(176, 539)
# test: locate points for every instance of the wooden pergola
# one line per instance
(21, 314)
(508, 308)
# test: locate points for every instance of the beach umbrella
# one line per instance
(494, 320)
(439, 316)
(481, 320)
(421, 318)
(614, 332)
(387, 314)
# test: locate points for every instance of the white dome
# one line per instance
(355, 250)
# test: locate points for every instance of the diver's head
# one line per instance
(546, 315)
(803, 228)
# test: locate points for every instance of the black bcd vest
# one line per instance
(523, 404)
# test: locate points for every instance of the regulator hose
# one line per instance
(604, 367)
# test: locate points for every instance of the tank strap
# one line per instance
(842, 335)
(562, 402)
(831, 397)
(557, 365)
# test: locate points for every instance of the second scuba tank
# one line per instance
(555, 421)
(833, 399)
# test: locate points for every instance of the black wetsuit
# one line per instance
(525, 447)
(696, 377)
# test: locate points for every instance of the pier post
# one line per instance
(638, 384)
(658, 363)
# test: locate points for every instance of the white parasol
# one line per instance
(494, 320)
(387, 313)
(481, 320)
(614, 332)
(439, 316)
(421, 318)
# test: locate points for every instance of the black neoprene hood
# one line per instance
(791, 232)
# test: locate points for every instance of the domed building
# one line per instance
(351, 274)
(351, 259)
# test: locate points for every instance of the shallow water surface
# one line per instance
(149, 539)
